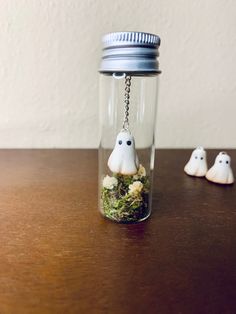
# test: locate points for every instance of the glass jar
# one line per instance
(128, 100)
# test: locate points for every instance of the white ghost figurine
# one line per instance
(123, 158)
(221, 171)
(197, 164)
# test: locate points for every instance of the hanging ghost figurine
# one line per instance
(221, 171)
(124, 159)
(197, 164)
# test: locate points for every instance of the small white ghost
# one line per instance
(197, 164)
(221, 171)
(124, 159)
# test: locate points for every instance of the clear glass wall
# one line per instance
(125, 195)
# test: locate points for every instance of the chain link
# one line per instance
(127, 102)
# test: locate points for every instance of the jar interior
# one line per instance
(126, 197)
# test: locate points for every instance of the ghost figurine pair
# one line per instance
(124, 159)
(220, 172)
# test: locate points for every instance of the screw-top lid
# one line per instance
(130, 52)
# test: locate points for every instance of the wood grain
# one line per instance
(58, 255)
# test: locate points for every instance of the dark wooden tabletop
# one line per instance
(58, 255)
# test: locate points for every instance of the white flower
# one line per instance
(109, 182)
(136, 187)
(141, 171)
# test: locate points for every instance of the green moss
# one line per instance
(121, 205)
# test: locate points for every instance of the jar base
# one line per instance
(129, 222)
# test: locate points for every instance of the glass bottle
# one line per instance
(127, 108)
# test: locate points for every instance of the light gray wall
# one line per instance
(49, 55)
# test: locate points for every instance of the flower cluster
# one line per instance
(135, 188)
(109, 182)
(141, 173)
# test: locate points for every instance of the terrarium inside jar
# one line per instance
(128, 96)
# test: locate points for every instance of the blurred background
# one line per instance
(49, 57)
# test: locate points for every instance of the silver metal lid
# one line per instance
(130, 52)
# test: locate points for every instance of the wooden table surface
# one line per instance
(58, 255)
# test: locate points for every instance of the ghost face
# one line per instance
(197, 164)
(123, 158)
(221, 171)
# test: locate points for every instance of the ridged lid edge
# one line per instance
(133, 38)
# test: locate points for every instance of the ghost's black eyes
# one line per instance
(195, 157)
(120, 142)
(220, 161)
(227, 161)
(128, 143)
(201, 158)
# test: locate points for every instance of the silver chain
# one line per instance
(126, 101)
